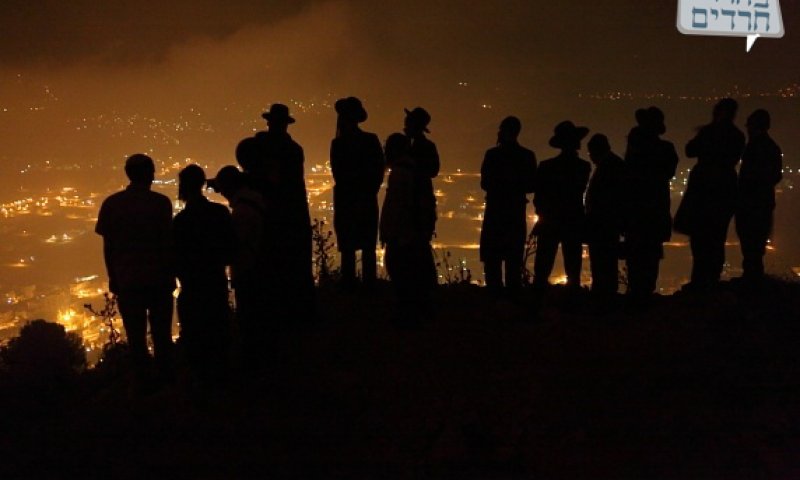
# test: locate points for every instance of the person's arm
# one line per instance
(435, 161)
(428, 164)
(108, 256)
(671, 163)
(102, 229)
(335, 158)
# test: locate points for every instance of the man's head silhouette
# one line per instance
(190, 182)
(140, 169)
(278, 117)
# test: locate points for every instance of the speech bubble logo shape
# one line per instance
(731, 18)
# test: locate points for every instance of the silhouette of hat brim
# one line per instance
(278, 112)
(352, 108)
(567, 133)
(271, 116)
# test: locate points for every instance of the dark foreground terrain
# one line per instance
(693, 388)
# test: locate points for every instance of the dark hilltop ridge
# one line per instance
(695, 387)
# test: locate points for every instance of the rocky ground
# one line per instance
(691, 388)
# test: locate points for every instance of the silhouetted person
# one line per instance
(426, 166)
(710, 197)
(136, 226)
(406, 233)
(760, 172)
(288, 197)
(248, 265)
(560, 184)
(605, 218)
(260, 174)
(204, 246)
(650, 164)
(357, 165)
(507, 175)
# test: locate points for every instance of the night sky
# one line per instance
(85, 84)
(229, 60)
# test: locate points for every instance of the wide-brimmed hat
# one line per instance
(278, 112)
(351, 108)
(566, 134)
(419, 117)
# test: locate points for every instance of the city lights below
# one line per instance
(69, 319)
(559, 280)
(465, 246)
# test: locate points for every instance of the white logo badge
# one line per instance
(733, 18)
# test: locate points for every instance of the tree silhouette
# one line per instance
(527, 259)
(43, 355)
(324, 251)
(108, 313)
(449, 273)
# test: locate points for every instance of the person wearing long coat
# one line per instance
(710, 198)
(507, 175)
(358, 167)
(406, 233)
(605, 218)
(760, 172)
(288, 200)
(650, 164)
(426, 165)
(559, 186)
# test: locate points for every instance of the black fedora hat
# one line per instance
(352, 108)
(278, 112)
(567, 133)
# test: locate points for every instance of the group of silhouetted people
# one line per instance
(623, 210)
(263, 241)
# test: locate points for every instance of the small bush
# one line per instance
(43, 355)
